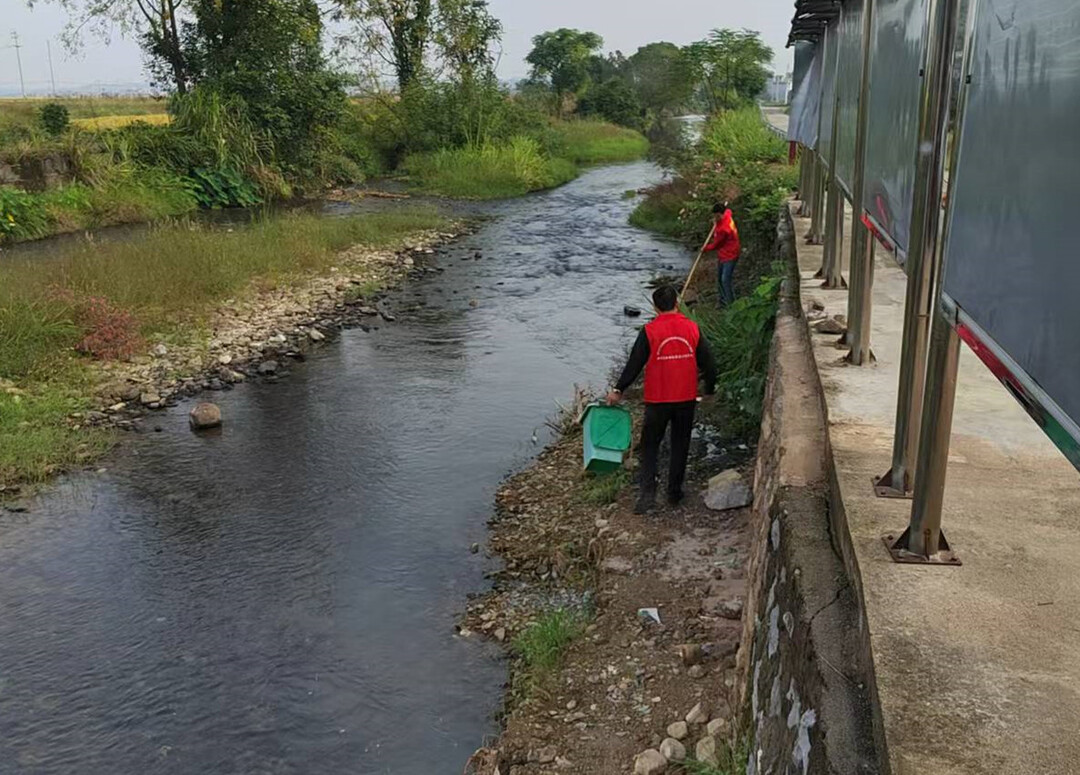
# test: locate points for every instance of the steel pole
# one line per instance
(862, 247)
(923, 541)
(834, 215)
(923, 260)
(817, 211)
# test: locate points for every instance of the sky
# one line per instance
(624, 24)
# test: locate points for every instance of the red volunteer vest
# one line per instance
(671, 374)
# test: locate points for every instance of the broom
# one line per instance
(693, 269)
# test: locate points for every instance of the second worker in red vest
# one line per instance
(675, 356)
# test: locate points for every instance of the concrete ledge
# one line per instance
(804, 668)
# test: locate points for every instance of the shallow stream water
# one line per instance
(280, 598)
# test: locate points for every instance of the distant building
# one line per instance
(778, 90)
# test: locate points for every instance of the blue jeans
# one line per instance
(727, 284)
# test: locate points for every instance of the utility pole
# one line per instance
(18, 58)
(52, 73)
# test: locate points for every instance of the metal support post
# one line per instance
(923, 542)
(923, 265)
(832, 268)
(858, 335)
(817, 210)
(804, 182)
(862, 259)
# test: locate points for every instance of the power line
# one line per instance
(52, 73)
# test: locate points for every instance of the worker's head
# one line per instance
(665, 298)
(719, 209)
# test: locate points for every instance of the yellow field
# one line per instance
(115, 122)
(15, 112)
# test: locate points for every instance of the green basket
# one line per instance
(607, 431)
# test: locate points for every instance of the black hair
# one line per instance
(719, 208)
(665, 298)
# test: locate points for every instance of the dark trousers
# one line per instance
(657, 418)
(727, 282)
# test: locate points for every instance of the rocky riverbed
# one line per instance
(259, 335)
(646, 685)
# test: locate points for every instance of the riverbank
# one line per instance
(99, 336)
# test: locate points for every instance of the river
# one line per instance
(279, 598)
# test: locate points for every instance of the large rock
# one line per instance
(830, 327)
(204, 416)
(706, 751)
(718, 727)
(650, 762)
(678, 730)
(268, 367)
(727, 491)
(698, 714)
(672, 750)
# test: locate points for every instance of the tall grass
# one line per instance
(597, 142)
(542, 645)
(491, 171)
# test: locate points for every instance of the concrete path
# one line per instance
(777, 118)
(978, 668)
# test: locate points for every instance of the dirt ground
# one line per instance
(627, 677)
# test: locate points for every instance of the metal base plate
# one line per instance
(829, 286)
(898, 551)
(884, 488)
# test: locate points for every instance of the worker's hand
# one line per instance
(614, 397)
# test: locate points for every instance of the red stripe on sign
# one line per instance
(884, 241)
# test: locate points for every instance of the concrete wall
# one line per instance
(38, 172)
(805, 676)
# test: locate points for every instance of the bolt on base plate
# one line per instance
(884, 488)
(898, 551)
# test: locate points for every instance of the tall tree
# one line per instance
(157, 24)
(730, 64)
(662, 76)
(466, 35)
(397, 32)
(562, 58)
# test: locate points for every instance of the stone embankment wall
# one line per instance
(805, 678)
(37, 172)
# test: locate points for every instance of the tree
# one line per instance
(398, 32)
(662, 76)
(615, 101)
(561, 58)
(466, 35)
(156, 24)
(269, 55)
(730, 65)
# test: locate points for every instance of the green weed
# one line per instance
(600, 490)
(732, 761)
(490, 171)
(597, 142)
(542, 645)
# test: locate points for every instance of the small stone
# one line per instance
(697, 715)
(500, 634)
(679, 730)
(691, 653)
(571, 705)
(718, 727)
(732, 609)
(224, 360)
(278, 339)
(130, 393)
(697, 671)
(268, 367)
(160, 351)
(727, 491)
(817, 305)
(369, 311)
(672, 750)
(650, 762)
(146, 399)
(547, 755)
(475, 548)
(563, 763)
(706, 751)
(204, 416)
(830, 327)
(316, 335)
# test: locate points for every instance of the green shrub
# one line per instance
(542, 645)
(54, 118)
(491, 171)
(740, 336)
(222, 187)
(22, 215)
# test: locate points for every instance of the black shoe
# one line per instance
(676, 498)
(645, 503)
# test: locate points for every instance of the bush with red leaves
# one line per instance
(109, 333)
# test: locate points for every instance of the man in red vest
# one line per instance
(727, 245)
(675, 356)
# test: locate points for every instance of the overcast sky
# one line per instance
(624, 25)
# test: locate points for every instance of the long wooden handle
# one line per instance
(697, 261)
